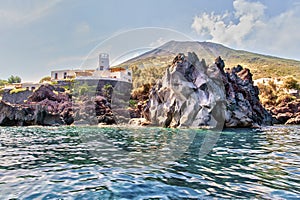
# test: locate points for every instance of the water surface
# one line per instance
(127, 163)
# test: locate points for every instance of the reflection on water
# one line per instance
(113, 163)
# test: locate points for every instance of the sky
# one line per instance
(39, 36)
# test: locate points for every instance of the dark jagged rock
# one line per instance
(48, 92)
(243, 106)
(189, 95)
(44, 107)
(16, 98)
(26, 115)
(192, 94)
(93, 111)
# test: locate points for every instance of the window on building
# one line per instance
(101, 67)
(129, 73)
(55, 76)
(65, 75)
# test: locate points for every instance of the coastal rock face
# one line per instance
(16, 115)
(192, 94)
(26, 115)
(188, 96)
(243, 107)
(93, 111)
(43, 107)
(286, 113)
(16, 98)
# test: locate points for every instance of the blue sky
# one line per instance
(39, 36)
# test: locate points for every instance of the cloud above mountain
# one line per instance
(248, 26)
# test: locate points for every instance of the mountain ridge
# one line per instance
(261, 65)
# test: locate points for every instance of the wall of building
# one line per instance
(100, 83)
(63, 74)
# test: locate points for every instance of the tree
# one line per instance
(14, 79)
(45, 79)
(3, 82)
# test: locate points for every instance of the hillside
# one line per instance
(260, 65)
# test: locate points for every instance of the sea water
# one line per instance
(144, 163)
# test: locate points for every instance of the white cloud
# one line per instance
(82, 29)
(248, 26)
(160, 41)
(21, 12)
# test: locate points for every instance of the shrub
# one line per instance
(17, 90)
(291, 83)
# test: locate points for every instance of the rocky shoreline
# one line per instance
(286, 113)
(191, 94)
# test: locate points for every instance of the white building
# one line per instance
(103, 71)
(103, 62)
(118, 73)
(27, 85)
(69, 74)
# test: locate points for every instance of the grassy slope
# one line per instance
(260, 65)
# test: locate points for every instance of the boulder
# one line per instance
(139, 122)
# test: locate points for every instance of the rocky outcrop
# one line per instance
(92, 111)
(192, 94)
(16, 115)
(16, 98)
(44, 107)
(286, 113)
(26, 115)
(50, 105)
(187, 97)
(50, 93)
(243, 107)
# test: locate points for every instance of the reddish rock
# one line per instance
(284, 117)
(45, 106)
(293, 121)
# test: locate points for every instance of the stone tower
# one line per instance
(103, 62)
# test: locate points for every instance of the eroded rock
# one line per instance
(192, 94)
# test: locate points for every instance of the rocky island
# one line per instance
(190, 94)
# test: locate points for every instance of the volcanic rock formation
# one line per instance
(192, 94)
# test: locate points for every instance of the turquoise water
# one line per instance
(149, 163)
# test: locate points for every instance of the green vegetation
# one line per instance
(133, 103)
(265, 66)
(45, 79)
(84, 89)
(3, 82)
(17, 90)
(107, 91)
(141, 93)
(273, 95)
(291, 83)
(261, 66)
(14, 79)
(146, 75)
